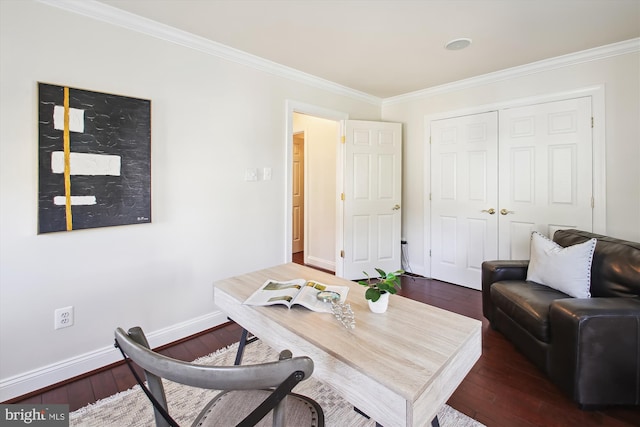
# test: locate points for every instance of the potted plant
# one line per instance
(380, 288)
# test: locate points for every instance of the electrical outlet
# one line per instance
(63, 317)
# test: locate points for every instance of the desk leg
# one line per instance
(434, 423)
(243, 342)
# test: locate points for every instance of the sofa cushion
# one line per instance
(528, 304)
(566, 269)
(615, 270)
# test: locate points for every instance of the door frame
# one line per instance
(597, 94)
(291, 107)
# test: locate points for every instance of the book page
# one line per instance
(307, 297)
(275, 292)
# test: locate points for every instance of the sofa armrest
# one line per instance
(595, 349)
(496, 271)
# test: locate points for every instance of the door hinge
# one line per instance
(592, 121)
(429, 196)
(342, 196)
(342, 253)
(429, 252)
(343, 139)
(593, 202)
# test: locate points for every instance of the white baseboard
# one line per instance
(37, 379)
(320, 263)
(419, 270)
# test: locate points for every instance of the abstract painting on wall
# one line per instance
(94, 159)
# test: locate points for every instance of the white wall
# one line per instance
(620, 76)
(321, 140)
(211, 119)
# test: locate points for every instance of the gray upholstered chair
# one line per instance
(252, 394)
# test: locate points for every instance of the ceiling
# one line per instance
(386, 48)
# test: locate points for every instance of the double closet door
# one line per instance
(498, 176)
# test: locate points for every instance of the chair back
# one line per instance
(225, 378)
(136, 337)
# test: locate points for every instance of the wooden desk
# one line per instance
(399, 367)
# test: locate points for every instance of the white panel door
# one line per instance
(372, 197)
(297, 222)
(464, 197)
(545, 172)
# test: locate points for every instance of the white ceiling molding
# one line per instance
(111, 15)
(615, 49)
(103, 12)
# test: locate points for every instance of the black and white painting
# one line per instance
(94, 159)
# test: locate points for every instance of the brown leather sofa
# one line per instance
(589, 347)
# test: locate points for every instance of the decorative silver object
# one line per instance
(342, 311)
(344, 314)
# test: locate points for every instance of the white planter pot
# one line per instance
(381, 305)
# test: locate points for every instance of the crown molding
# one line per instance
(594, 54)
(111, 15)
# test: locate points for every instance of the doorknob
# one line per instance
(490, 211)
(505, 212)
(396, 207)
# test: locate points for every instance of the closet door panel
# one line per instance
(545, 161)
(463, 190)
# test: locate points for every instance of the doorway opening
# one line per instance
(313, 164)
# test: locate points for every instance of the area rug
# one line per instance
(131, 408)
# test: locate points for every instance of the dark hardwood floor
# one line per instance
(503, 388)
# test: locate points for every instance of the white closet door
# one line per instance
(545, 172)
(464, 197)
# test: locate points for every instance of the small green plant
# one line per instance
(387, 282)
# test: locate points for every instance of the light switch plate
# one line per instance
(251, 174)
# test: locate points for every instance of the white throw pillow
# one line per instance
(567, 269)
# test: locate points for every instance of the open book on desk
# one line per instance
(296, 292)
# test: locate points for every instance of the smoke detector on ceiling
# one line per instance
(458, 44)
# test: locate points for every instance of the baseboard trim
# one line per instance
(320, 263)
(40, 378)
